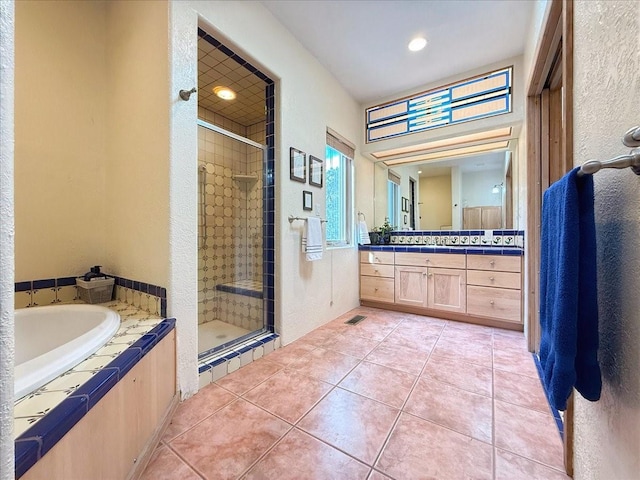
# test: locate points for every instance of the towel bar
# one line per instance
(292, 218)
(622, 161)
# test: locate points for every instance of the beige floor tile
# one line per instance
(380, 383)
(466, 376)
(418, 450)
(352, 423)
(465, 412)
(228, 442)
(288, 394)
(300, 456)
(528, 433)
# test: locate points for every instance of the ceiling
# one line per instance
(215, 68)
(364, 43)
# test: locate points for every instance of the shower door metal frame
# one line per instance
(263, 148)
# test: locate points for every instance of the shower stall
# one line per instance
(230, 237)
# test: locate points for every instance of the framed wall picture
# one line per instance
(298, 165)
(405, 204)
(307, 200)
(316, 167)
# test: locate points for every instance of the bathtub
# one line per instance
(53, 339)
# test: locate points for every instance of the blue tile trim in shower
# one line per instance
(239, 291)
(35, 442)
(554, 411)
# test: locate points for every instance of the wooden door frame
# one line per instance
(555, 44)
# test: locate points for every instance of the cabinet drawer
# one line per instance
(493, 279)
(441, 260)
(494, 302)
(376, 270)
(379, 289)
(498, 263)
(377, 257)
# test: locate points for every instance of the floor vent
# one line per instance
(356, 319)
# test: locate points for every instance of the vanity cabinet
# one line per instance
(483, 289)
(439, 285)
(494, 287)
(377, 276)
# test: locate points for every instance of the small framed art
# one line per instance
(307, 200)
(298, 165)
(316, 167)
(405, 204)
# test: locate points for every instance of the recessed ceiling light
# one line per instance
(417, 44)
(419, 172)
(224, 93)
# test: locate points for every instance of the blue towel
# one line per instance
(568, 291)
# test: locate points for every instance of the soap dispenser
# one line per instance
(93, 273)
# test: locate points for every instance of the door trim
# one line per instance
(555, 44)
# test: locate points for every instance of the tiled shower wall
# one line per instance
(230, 247)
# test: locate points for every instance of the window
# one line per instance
(339, 192)
(393, 199)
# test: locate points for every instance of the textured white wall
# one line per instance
(183, 195)
(6, 238)
(60, 133)
(607, 89)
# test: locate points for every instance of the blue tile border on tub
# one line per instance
(22, 286)
(48, 283)
(35, 442)
(55, 424)
(27, 453)
(97, 386)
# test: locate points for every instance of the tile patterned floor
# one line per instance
(397, 396)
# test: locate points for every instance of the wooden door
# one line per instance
(472, 218)
(491, 218)
(446, 289)
(411, 286)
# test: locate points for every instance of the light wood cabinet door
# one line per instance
(411, 286)
(446, 289)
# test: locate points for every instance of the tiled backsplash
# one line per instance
(145, 296)
(480, 238)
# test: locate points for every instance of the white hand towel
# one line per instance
(363, 233)
(312, 239)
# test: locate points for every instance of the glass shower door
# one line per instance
(230, 241)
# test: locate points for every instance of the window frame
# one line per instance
(347, 198)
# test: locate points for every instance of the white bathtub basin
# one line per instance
(53, 339)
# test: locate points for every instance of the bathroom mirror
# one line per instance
(464, 193)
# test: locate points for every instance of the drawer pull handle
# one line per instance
(431, 274)
(424, 274)
(375, 289)
(376, 259)
(376, 270)
(490, 278)
(492, 263)
(491, 302)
